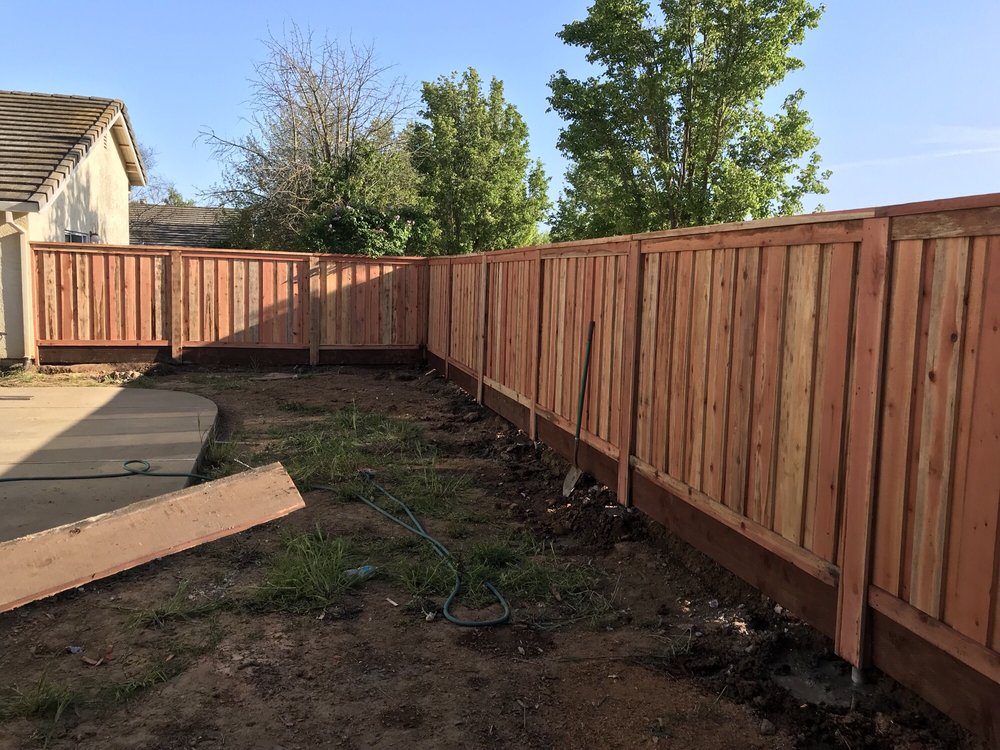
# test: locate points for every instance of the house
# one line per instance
(184, 226)
(66, 166)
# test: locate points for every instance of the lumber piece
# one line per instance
(64, 557)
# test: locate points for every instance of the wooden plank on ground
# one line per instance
(75, 554)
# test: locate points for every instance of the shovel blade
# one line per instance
(569, 483)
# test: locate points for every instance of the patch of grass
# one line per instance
(44, 700)
(218, 381)
(333, 448)
(162, 671)
(177, 607)
(297, 407)
(521, 569)
(310, 572)
(16, 376)
(218, 458)
(434, 493)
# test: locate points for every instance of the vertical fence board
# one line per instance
(862, 440)
(719, 343)
(826, 444)
(676, 452)
(976, 496)
(767, 376)
(938, 429)
(741, 384)
(796, 391)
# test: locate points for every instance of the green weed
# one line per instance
(177, 607)
(333, 448)
(162, 671)
(310, 572)
(297, 407)
(44, 700)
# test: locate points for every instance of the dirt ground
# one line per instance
(679, 654)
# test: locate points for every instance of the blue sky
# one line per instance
(902, 93)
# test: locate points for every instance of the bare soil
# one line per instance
(687, 657)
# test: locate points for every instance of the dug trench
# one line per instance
(621, 635)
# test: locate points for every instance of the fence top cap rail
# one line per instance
(986, 200)
(284, 254)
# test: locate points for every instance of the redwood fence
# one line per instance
(813, 401)
(207, 305)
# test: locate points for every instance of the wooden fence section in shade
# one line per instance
(86, 296)
(192, 299)
(814, 401)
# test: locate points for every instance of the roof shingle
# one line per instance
(180, 226)
(44, 137)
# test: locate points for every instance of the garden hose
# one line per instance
(415, 527)
(133, 467)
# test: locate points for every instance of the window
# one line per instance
(72, 236)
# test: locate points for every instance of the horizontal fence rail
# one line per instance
(188, 299)
(813, 401)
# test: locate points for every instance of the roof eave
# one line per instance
(20, 207)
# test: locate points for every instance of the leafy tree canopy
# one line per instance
(323, 145)
(476, 179)
(672, 130)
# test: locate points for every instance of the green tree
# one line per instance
(476, 178)
(174, 198)
(323, 140)
(672, 131)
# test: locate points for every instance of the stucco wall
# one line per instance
(11, 322)
(95, 199)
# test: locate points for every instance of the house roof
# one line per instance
(181, 226)
(44, 137)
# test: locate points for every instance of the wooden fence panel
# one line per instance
(121, 296)
(938, 506)
(465, 313)
(438, 307)
(742, 381)
(86, 296)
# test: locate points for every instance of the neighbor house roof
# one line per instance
(44, 137)
(183, 226)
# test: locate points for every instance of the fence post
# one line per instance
(176, 304)
(630, 365)
(449, 318)
(313, 330)
(484, 311)
(864, 407)
(536, 346)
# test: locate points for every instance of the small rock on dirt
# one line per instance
(767, 728)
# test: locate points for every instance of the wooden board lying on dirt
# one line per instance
(61, 558)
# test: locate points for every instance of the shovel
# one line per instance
(569, 483)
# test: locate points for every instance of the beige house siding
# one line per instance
(11, 319)
(94, 199)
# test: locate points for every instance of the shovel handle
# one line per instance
(583, 391)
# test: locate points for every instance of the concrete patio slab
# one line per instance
(70, 431)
